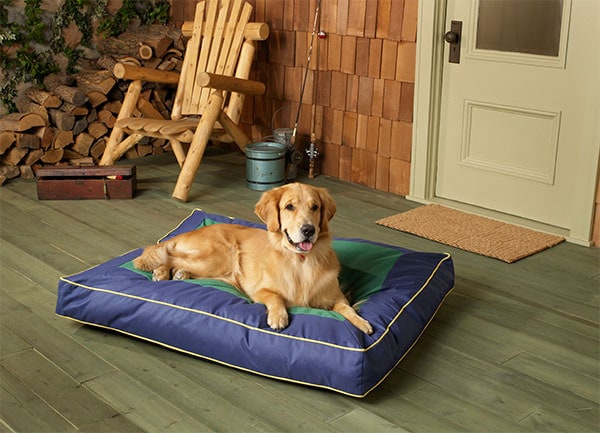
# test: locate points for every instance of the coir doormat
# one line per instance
(473, 233)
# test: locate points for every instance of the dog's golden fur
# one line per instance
(290, 264)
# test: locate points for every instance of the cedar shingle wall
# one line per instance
(363, 73)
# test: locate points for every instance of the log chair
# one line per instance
(210, 93)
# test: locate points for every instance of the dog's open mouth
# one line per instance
(303, 246)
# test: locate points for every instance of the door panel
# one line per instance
(510, 140)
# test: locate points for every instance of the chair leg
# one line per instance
(178, 151)
(234, 131)
(198, 146)
(122, 147)
(113, 151)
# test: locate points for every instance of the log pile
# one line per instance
(68, 121)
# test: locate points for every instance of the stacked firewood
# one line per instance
(69, 120)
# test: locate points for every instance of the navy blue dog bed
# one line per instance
(397, 290)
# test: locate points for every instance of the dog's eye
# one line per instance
(314, 207)
(289, 206)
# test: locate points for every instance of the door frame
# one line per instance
(426, 125)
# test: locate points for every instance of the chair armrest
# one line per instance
(252, 31)
(131, 72)
(230, 84)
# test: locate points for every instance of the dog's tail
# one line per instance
(152, 257)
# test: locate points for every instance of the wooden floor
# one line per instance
(514, 348)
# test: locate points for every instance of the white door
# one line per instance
(519, 112)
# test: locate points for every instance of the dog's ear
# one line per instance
(328, 208)
(267, 209)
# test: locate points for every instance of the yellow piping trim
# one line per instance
(179, 225)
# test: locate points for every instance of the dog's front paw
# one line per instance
(160, 274)
(179, 274)
(364, 326)
(278, 318)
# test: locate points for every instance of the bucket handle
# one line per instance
(275, 114)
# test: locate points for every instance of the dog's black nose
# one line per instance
(307, 230)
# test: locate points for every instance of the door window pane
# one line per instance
(521, 26)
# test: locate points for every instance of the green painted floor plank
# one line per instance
(148, 410)
(517, 324)
(60, 231)
(50, 337)
(502, 390)
(146, 363)
(253, 394)
(22, 410)
(58, 390)
(546, 419)
(460, 411)
(31, 318)
(10, 342)
(555, 375)
(28, 266)
(519, 285)
(362, 421)
(408, 415)
(496, 342)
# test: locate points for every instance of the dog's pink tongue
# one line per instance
(306, 246)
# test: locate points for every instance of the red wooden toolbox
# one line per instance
(77, 183)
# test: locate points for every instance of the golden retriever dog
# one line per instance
(290, 264)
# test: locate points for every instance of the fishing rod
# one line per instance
(312, 151)
(310, 51)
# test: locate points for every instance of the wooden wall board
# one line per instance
(405, 63)
(399, 176)
(401, 136)
(382, 176)
(362, 56)
(348, 54)
(365, 95)
(362, 127)
(389, 50)
(406, 102)
(352, 90)
(334, 52)
(409, 20)
(349, 129)
(375, 48)
(372, 141)
(391, 101)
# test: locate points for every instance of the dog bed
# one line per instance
(397, 290)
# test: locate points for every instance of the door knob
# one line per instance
(451, 37)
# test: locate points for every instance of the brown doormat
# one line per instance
(473, 233)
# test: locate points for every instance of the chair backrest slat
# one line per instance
(215, 45)
(230, 61)
(211, 46)
(188, 69)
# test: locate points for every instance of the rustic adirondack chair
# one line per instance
(210, 93)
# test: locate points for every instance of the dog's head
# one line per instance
(300, 212)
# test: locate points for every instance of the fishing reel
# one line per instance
(294, 158)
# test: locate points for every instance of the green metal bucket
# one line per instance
(265, 165)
